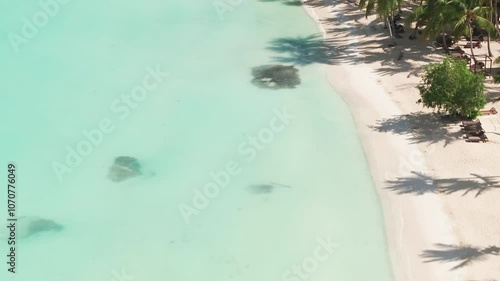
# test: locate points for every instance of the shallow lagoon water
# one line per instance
(71, 76)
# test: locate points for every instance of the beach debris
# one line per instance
(449, 40)
(400, 29)
(123, 168)
(276, 76)
(27, 226)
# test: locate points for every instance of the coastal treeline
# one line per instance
(456, 85)
(454, 18)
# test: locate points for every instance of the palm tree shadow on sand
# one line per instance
(464, 255)
(419, 127)
(420, 183)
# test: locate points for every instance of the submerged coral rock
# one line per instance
(123, 168)
(276, 76)
(28, 226)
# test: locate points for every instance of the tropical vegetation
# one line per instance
(452, 87)
(440, 17)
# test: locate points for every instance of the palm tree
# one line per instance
(436, 16)
(470, 12)
(384, 9)
(418, 16)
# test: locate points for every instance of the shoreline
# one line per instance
(403, 225)
(389, 158)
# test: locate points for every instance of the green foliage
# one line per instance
(452, 87)
(496, 77)
(382, 8)
(476, 11)
(456, 16)
(437, 16)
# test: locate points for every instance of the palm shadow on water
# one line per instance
(419, 184)
(464, 255)
(266, 188)
(302, 50)
(297, 3)
(419, 127)
(359, 43)
(313, 3)
(261, 188)
(305, 50)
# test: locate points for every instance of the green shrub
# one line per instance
(452, 87)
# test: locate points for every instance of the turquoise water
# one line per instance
(307, 183)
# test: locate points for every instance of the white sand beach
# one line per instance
(440, 194)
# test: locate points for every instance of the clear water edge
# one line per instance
(67, 77)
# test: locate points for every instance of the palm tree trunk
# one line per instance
(496, 18)
(393, 25)
(390, 31)
(445, 46)
(491, 11)
(472, 47)
(488, 43)
(414, 35)
(491, 19)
